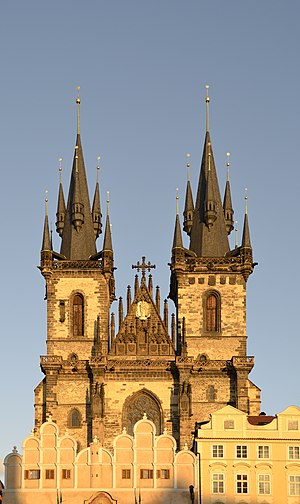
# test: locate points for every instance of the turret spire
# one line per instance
(177, 241)
(46, 243)
(78, 239)
(227, 203)
(189, 203)
(107, 242)
(61, 206)
(246, 242)
(96, 209)
(208, 233)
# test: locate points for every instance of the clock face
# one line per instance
(142, 310)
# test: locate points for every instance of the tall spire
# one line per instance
(46, 242)
(189, 203)
(246, 242)
(61, 206)
(96, 209)
(208, 233)
(78, 239)
(177, 240)
(227, 203)
(107, 242)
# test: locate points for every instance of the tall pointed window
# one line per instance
(74, 418)
(78, 313)
(211, 312)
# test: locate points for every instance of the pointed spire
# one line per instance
(208, 233)
(46, 243)
(227, 203)
(177, 240)
(210, 206)
(166, 314)
(61, 206)
(189, 203)
(157, 298)
(112, 327)
(173, 329)
(107, 242)
(236, 234)
(246, 242)
(150, 285)
(96, 209)
(136, 285)
(78, 240)
(121, 316)
(128, 298)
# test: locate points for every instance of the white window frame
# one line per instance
(243, 449)
(218, 483)
(294, 452)
(219, 451)
(264, 483)
(244, 479)
(294, 483)
(263, 449)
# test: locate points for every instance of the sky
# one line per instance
(142, 67)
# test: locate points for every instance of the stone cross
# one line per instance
(143, 266)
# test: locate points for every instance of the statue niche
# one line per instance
(136, 405)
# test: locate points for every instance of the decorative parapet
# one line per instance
(87, 265)
(246, 362)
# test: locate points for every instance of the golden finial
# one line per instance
(107, 202)
(246, 200)
(188, 165)
(209, 156)
(207, 100)
(46, 203)
(78, 109)
(236, 234)
(228, 165)
(60, 169)
(98, 168)
(177, 202)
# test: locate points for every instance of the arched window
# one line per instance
(139, 403)
(78, 313)
(74, 419)
(211, 313)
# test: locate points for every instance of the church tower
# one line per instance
(208, 287)
(102, 375)
(79, 292)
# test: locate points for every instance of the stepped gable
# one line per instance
(142, 332)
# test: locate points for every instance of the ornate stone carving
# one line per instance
(137, 406)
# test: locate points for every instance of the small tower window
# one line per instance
(74, 419)
(78, 315)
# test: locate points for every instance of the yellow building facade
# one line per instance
(249, 459)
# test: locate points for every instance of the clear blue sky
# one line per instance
(142, 67)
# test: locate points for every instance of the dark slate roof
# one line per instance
(46, 243)
(246, 242)
(78, 244)
(107, 242)
(213, 241)
(177, 240)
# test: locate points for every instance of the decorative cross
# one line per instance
(143, 266)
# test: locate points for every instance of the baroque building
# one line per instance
(102, 376)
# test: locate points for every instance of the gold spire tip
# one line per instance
(60, 164)
(78, 97)
(228, 165)
(46, 202)
(177, 201)
(246, 200)
(188, 165)
(207, 99)
(107, 202)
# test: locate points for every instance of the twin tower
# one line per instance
(102, 375)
